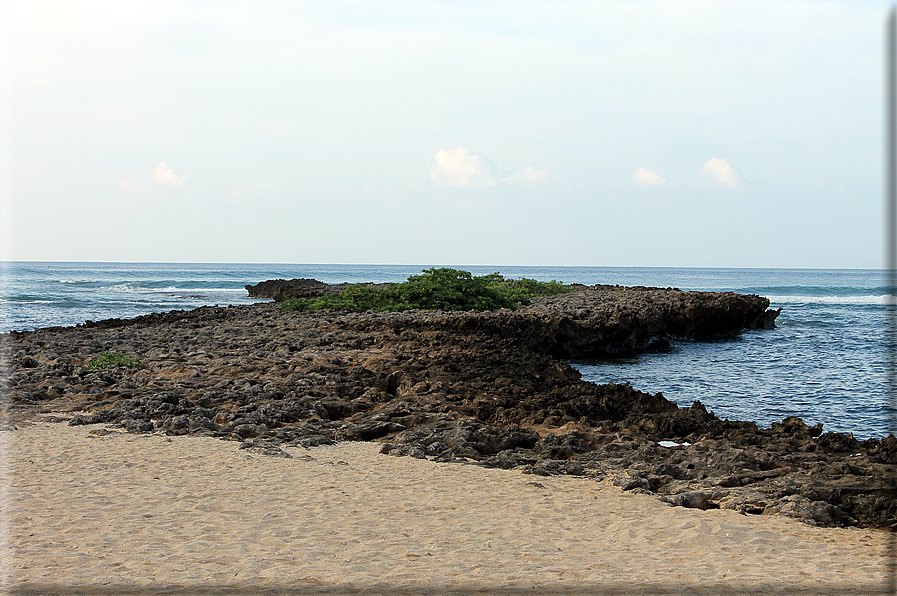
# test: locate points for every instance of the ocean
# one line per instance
(826, 361)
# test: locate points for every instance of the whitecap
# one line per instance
(886, 299)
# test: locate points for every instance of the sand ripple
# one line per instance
(125, 513)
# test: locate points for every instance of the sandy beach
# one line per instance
(93, 513)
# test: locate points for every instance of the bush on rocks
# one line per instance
(437, 289)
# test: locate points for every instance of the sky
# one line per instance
(559, 133)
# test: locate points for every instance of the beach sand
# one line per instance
(150, 514)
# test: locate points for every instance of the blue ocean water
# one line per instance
(825, 362)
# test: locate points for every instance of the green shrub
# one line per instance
(108, 359)
(436, 289)
(354, 297)
(521, 290)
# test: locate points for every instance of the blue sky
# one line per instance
(721, 134)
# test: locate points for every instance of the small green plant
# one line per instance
(437, 289)
(108, 359)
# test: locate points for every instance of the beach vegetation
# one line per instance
(110, 359)
(435, 289)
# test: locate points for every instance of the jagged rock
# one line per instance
(767, 320)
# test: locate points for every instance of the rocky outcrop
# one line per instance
(486, 387)
(278, 289)
(601, 320)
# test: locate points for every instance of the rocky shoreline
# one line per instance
(490, 388)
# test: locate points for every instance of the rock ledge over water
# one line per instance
(489, 388)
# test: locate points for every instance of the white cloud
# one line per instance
(166, 176)
(646, 176)
(528, 174)
(721, 170)
(128, 187)
(457, 167)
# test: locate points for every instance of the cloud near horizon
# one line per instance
(531, 175)
(646, 176)
(458, 167)
(721, 170)
(166, 176)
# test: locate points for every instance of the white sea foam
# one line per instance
(198, 290)
(886, 299)
(125, 287)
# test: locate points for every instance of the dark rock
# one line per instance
(370, 431)
(137, 425)
(767, 320)
(573, 468)
(251, 430)
(633, 481)
(436, 448)
(818, 513)
(101, 417)
(315, 441)
(839, 442)
(692, 500)
(279, 289)
(415, 451)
